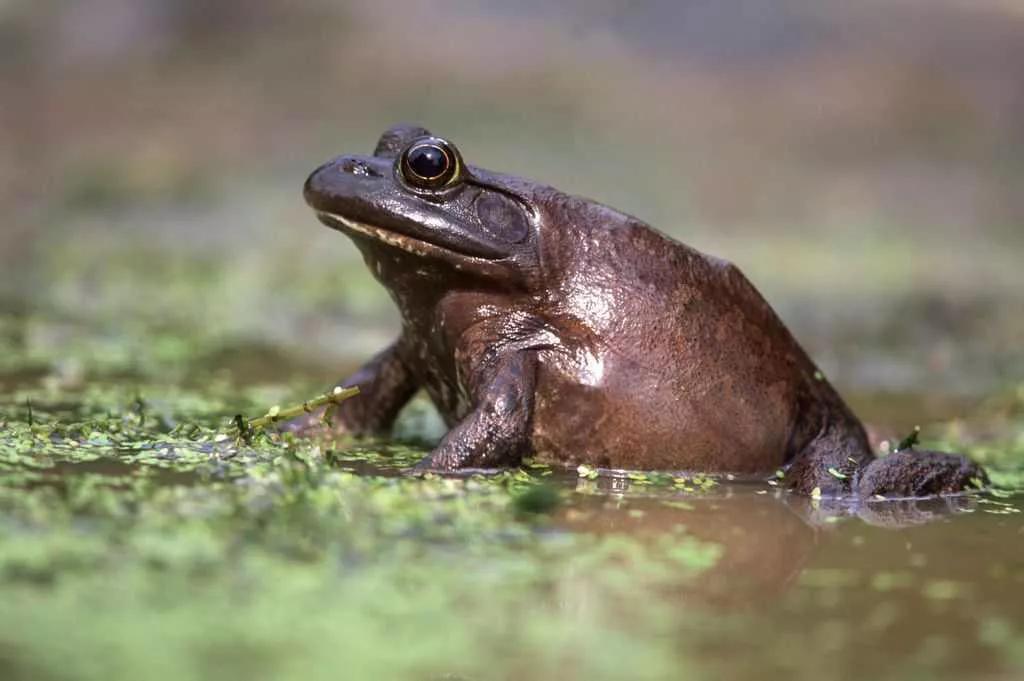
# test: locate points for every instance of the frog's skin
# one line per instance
(550, 325)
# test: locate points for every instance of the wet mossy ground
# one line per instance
(140, 538)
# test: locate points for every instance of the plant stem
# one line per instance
(337, 396)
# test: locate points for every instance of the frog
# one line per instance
(550, 327)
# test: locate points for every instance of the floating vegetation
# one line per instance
(134, 506)
(910, 441)
(278, 415)
(836, 473)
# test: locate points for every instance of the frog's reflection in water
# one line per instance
(765, 538)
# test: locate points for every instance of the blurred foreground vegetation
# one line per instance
(141, 539)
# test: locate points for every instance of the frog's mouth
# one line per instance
(409, 244)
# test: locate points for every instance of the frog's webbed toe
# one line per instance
(913, 473)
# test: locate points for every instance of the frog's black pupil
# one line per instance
(428, 161)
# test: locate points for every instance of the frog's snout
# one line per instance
(339, 176)
(313, 187)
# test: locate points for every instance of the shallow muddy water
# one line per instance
(140, 539)
(194, 556)
(795, 587)
(887, 590)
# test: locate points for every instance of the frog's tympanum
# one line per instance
(548, 325)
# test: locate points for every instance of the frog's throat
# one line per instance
(418, 247)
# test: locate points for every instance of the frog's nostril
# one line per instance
(354, 166)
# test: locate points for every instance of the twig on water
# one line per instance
(276, 414)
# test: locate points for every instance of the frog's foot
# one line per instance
(829, 464)
(818, 479)
(913, 473)
(476, 444)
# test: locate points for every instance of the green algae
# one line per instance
(140, 538)
(130, 507)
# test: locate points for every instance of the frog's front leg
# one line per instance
(497, 432)
(385, 386)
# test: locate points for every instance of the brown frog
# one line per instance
(549, 325)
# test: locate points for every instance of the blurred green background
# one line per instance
(862, 162)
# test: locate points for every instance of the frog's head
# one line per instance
(415, 194)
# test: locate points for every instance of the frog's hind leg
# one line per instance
(830, 462)
(838, 462)
(833, 459)
(914, 473)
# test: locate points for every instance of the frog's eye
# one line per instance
(430, 164)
